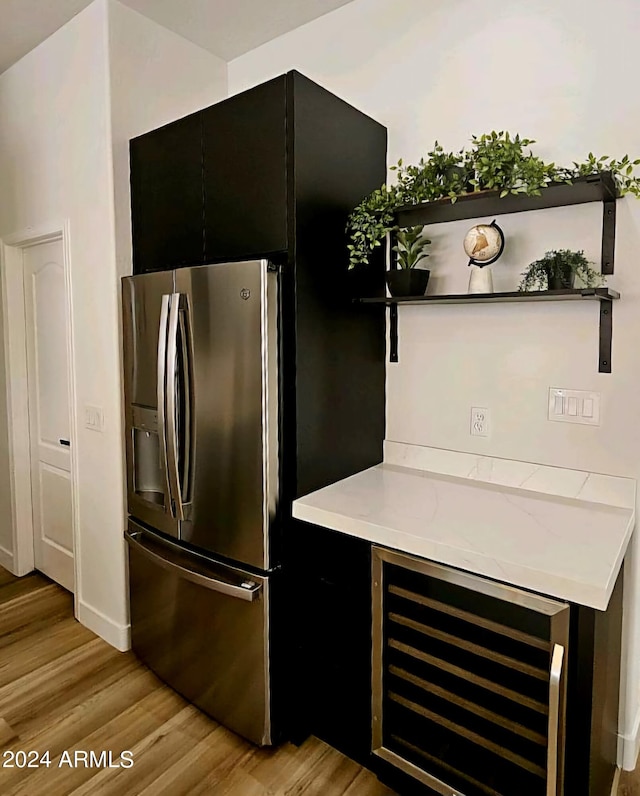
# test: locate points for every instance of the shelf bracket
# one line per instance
(393, 333)
(608, 236)
(606, 330)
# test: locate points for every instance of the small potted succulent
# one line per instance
(407, 279)
(558, 270)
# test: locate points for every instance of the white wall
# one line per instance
(445, 71)
(63, 156)
(55, 161)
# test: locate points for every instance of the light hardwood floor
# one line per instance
(62, 689)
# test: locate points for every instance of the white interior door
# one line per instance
(48, 376)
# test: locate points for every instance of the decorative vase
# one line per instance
(407, 281)
(480, 280)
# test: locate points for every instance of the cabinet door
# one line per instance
(166, 196)
(245, 174)
(334, 634)
(469, 678)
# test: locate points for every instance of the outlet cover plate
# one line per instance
(480, 422)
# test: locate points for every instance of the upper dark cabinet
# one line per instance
(272, 171)
(166, 196)
(245, 173)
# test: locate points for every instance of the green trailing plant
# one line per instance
(440, 174)
(558, 269)
(410, 247)
(370, 222)
(501, 162)
(622, 171)
(494, 161)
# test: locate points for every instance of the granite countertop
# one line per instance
(571, 548)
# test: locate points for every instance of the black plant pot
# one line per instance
(408, 281)
(464, 175)
(561, 279)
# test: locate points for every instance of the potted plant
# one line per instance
(406, 279)
(494, 161)
(501, 162)
(558, 270)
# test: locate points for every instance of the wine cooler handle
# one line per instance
(553, 753)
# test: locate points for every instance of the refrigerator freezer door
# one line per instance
(145, 309)
(203, 628)
(229, 316)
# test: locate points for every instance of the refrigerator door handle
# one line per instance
(248, 590)
(161, 391)
(171, 424)
(184, 467)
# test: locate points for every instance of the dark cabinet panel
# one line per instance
(334, 637)
(245, 173)
(166, 196)
(339, 157)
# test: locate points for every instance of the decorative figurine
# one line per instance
(483, 244)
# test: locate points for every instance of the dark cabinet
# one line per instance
(335, 618)
(245, 173)
(472, 686)
(166, 197)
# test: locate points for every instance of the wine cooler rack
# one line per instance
(469, 680)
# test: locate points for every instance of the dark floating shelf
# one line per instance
(594, 188)
(606, 296)
(596, 294)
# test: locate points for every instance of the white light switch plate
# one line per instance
(574, 406)
(94, 418)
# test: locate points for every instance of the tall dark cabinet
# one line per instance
(273, 173)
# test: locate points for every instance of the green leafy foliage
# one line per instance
(559, 263)
(369, 223)
(495, 161)
(622, 171)
(411, 247)
(500, 162)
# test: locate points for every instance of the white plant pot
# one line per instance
(480, 280)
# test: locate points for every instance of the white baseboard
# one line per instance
(6, 560)
(630, 746)
(119, 636)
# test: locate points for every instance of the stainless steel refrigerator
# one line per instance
(201, 413)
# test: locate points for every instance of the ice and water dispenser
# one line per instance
(148, 475)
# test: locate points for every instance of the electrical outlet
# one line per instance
(480, 425)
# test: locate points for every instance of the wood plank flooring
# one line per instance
(62, 689)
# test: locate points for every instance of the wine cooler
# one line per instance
(468, 680)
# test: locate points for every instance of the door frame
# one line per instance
(20, 561)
